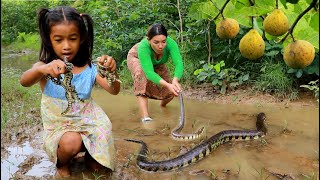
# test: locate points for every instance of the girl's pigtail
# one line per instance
(89, 25)
(43, 31)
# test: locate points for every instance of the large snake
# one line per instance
(71, 93)
(176, 132)
(201, 150)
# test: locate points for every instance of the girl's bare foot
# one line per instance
(62, 172)
(92, 163)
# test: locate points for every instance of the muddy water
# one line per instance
(290, 149)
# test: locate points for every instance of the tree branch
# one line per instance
(209, 43)
(221, 10)
(290, 31)
(180, 20)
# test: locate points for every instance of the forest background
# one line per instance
(119, 24)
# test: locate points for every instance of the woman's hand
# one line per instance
(173, 87)
(176, 83)
(108, 62)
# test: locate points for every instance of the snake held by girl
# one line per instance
(176, 132)
(201, 150)
(71, 93)
(104, 72)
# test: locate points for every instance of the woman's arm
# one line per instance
(144, 55)
(177, 61)
(176, 57)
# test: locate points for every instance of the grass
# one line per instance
(261, 174)
(17, 102)
(274, 80)
(125, 76)
(26, 41)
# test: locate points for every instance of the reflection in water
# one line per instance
(290, 149)
(16, 156)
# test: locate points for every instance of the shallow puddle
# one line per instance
(290, 149)
(16, 155)
(28, 157)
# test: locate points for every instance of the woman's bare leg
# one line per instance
(70, 145)
(143, 105)
(165, 101)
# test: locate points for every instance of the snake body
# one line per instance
(201, 150)
(176, 132)
(71, 93)
(104, 72)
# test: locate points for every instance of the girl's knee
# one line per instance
(71, 142)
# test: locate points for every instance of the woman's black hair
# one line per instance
(156, 29)
(48, 18)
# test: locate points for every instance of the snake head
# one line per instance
(261, 123)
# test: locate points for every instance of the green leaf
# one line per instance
(202, 78)
(196, 72)
(245, 77)
(299, 73)
(272, 53)
(284, 2)
(217, 68)
(215, 82)
(314, 22)
(223, 89)
(291, 70)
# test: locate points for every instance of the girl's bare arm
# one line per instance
(39, 70)
(109, 62)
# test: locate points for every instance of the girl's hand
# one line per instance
(55, 68)
(108, 62)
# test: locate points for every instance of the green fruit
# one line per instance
(299, 54)
(252, 45)
(276, 23)
(228, 28)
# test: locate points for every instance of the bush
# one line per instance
(274, 80)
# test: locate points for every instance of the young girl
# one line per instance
(146, 61)
(68, 35)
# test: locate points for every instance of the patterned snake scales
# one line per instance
(71, 93)
(176, 132)
(201, 150)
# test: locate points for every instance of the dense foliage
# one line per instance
(121, 24)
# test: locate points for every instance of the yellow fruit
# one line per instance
(299, 54)
(276, 23)
(228, 28)
(252, 45)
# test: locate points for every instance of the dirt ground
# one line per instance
(249, 97)
(201, 93)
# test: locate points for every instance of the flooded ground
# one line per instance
(289, 151)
